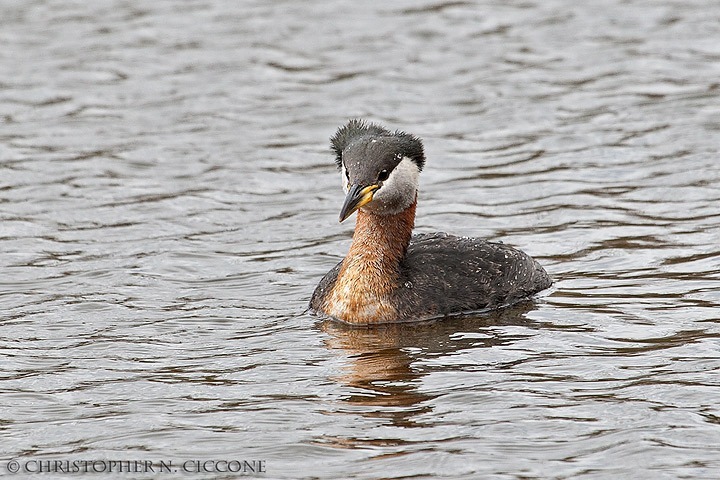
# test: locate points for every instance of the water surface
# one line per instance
(168, 203)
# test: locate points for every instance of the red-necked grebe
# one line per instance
(390, 275)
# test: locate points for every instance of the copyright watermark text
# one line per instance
(239, 467)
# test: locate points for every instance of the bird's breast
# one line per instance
(362, 292)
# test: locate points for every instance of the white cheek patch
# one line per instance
(403, 179)
(345, 182)
(404, 176)
(398, 191)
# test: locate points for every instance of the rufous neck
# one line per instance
(383, 238)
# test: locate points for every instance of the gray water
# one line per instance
(168, 203)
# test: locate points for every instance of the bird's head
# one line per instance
(379, 168)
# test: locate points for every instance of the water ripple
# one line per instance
(168, 202)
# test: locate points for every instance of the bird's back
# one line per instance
(443, 274)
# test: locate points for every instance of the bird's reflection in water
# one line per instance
(385, 364)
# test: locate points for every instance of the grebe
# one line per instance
(390, 275)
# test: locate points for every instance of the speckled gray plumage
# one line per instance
(371, 147)
(443, 274)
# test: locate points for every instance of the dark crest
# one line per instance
(409, 145)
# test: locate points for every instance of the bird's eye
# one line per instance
(383, 175)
